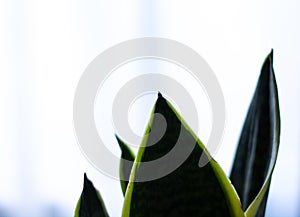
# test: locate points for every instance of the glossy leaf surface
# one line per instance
(258, 146)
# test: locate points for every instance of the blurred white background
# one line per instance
(46, 45)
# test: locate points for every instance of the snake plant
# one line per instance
(196, 191)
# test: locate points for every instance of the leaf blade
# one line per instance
(258, 146)
(90, 203)
(198, 191)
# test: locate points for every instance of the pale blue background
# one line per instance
(46, 45)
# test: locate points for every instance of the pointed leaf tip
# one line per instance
(267, 76)
(159, 95)
(127, 153)
(271, 56)
(119, 141)
(126, 162)
(90, 202)
(85, 181)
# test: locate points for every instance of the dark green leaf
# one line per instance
(187, 191)
(125, 169)
(90, 203)
(258, 146)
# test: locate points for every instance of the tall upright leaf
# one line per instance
(90, 203)
(125, 168)
(258, 146)
(189, 190)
